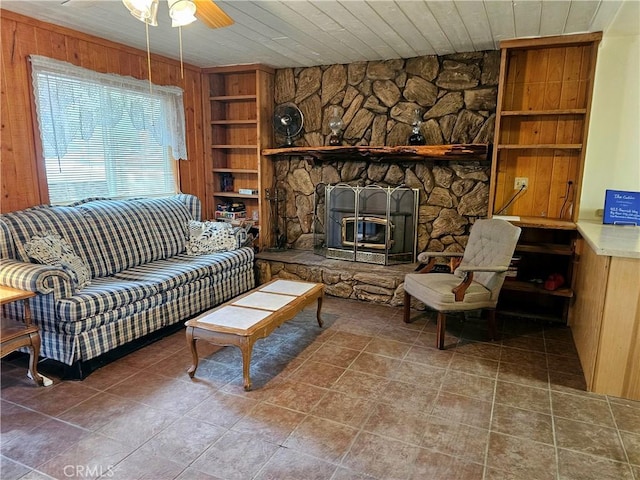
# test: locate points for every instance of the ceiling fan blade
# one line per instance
(212, 15)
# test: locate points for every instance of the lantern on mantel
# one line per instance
(335, 124)
(416, 137)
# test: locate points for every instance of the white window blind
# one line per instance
(106, 135)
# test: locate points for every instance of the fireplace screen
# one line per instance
(370, 224)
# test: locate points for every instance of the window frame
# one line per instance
(169, 126)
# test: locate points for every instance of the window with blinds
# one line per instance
(106, 135)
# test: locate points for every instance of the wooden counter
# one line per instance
(605, 318)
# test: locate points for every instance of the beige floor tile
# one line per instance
(381, 457)
(456, 439)
(368, 397)
(431, 464)
(290, 465)
(574, 465)
(582, 408)
(322, 438)
(463, 409)
(269, 423)
(235, 456)
(319, 374)
(396, 421)
(335, 355)
(588, 438)
(343, 408)
(521, 396)
(463, 383)
(387, 347)
(524, 458)
(522, 423)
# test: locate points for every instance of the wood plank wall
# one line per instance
(21, 164)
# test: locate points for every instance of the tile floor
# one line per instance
(367, 397)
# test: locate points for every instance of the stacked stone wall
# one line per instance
(457, 96)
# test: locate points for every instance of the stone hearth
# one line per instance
(367, 282)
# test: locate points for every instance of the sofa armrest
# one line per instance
(33, 277)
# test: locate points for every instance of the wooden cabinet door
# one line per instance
(585, 318)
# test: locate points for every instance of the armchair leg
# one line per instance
(442, 321)
(407, 308)
(491, 324)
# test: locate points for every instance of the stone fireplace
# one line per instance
(450, 196)
(457, 95)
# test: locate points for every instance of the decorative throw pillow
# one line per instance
(210, 237)
(52, 249)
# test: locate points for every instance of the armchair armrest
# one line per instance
(468, 270)
(425, 256)
(429, 258)
(33, 277)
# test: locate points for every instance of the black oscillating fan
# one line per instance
(288, 121)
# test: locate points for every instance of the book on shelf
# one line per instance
(226, 215)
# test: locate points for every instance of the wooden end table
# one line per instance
(254, 315)
(14, 334)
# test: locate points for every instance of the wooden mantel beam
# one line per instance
(457, 152)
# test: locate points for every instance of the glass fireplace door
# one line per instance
(371, 224)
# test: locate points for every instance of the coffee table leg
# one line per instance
(194, 352)
(246, 347)
(34, 353)
(319, 311)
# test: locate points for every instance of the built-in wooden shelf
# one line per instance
(541, 134)
(232, 98)
(532, 313)
(235, 170)
(539, 222)
(520, 286)
(552, 146)
(234, 146)
(522, 113)
(456, 152)
(233, 195)
(234, 122)
(545, 248)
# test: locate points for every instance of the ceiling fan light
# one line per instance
(144, 10)
(182, 12)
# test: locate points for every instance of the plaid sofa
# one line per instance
(141, 279)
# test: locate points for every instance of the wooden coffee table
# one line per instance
(15, 334)
(254, 315)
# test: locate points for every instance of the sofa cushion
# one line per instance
(210, 237)
(7, 248)
(169, 217)
(104, 294)
(167, 274)
(68, 222)
(224, 261)
(125, 233)
(181, 269)
(52, 249)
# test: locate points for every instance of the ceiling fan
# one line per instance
(182, 12)
(212, 15)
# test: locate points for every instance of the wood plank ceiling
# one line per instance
(304, 33)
